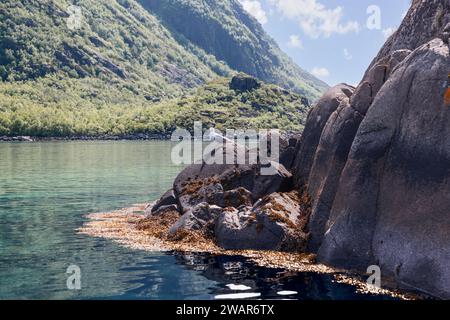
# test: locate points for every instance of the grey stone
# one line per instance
(391, 207)
(163, 210)
(200, 218)
(274, 223)
(168, 198)
(317, 118)
(377, 168)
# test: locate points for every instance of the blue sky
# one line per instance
(330, 38)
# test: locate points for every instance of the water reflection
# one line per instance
(229, 277)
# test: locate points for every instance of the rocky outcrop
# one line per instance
(392, 203)
(315, 123)
(238, 207)
(243, 82)
(376, 161)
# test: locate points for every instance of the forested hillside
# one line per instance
(126, 56)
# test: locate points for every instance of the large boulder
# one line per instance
(243, 82)
(377, 167)
(335, 142)
(274, 223)
(315, 123)
(391, 207)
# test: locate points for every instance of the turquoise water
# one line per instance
(47, 188)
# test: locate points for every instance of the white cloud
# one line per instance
(295, 42)
(314, 18)
(347, 54)
(254, 8)
(388, 31)
(320, 72)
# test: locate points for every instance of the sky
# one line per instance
(333, 39)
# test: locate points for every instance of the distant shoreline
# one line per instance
(133, 137)
(130, 137)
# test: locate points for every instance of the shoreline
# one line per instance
(131, 229)
(132, 137)
(107, 137)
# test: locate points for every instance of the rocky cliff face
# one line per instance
(376, 160)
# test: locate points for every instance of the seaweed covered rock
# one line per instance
(200, 218)
(210, 197)
(214, 183)
(276, 222)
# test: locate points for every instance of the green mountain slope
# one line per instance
(119, 44)
(125, 57)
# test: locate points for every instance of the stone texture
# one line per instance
(200, 218)
(192, 184)
(315, 123)
(163, 210)
(167, 199)
(391, 207)
(274, 223)
(337, 138)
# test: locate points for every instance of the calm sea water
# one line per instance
(47, 188)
